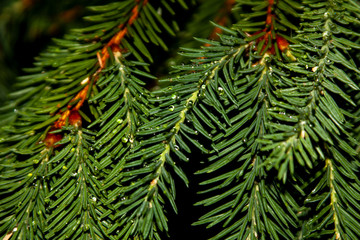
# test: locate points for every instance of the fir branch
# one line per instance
(69, 75)
(72, 210)
(23, 192)
(219, 84)
(255, 81)
(322, 131)
(90, 153)
(118, 125)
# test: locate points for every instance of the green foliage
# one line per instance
(265, 116)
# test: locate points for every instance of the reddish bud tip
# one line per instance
(51, 139)
(75, 119)
(282, 43)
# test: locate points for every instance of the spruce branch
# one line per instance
(327, 121)
(69, 72)
(256, 78)
(215, 81)
(266, 107)
(74, 190)
(320, 135)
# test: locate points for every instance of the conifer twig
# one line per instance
(103, 56)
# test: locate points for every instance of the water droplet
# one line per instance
(30, 174)
(176, 147)
(64, 167)
(171, 108)
(201, 95)
(189, 104)
(173, 130)
(15, 229)
(119, 121)
(124, 139)
(326, 35)
(221, 91)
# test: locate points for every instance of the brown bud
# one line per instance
(75, 119)
(51, 139)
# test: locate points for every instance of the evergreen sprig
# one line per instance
(325, 119)
(52, 168)
(90, 153)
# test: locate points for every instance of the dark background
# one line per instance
(26, 29)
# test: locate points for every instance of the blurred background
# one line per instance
(27, 27)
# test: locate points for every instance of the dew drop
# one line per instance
(189, 104)
(221, 91)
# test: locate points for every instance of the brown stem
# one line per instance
(102, 56)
